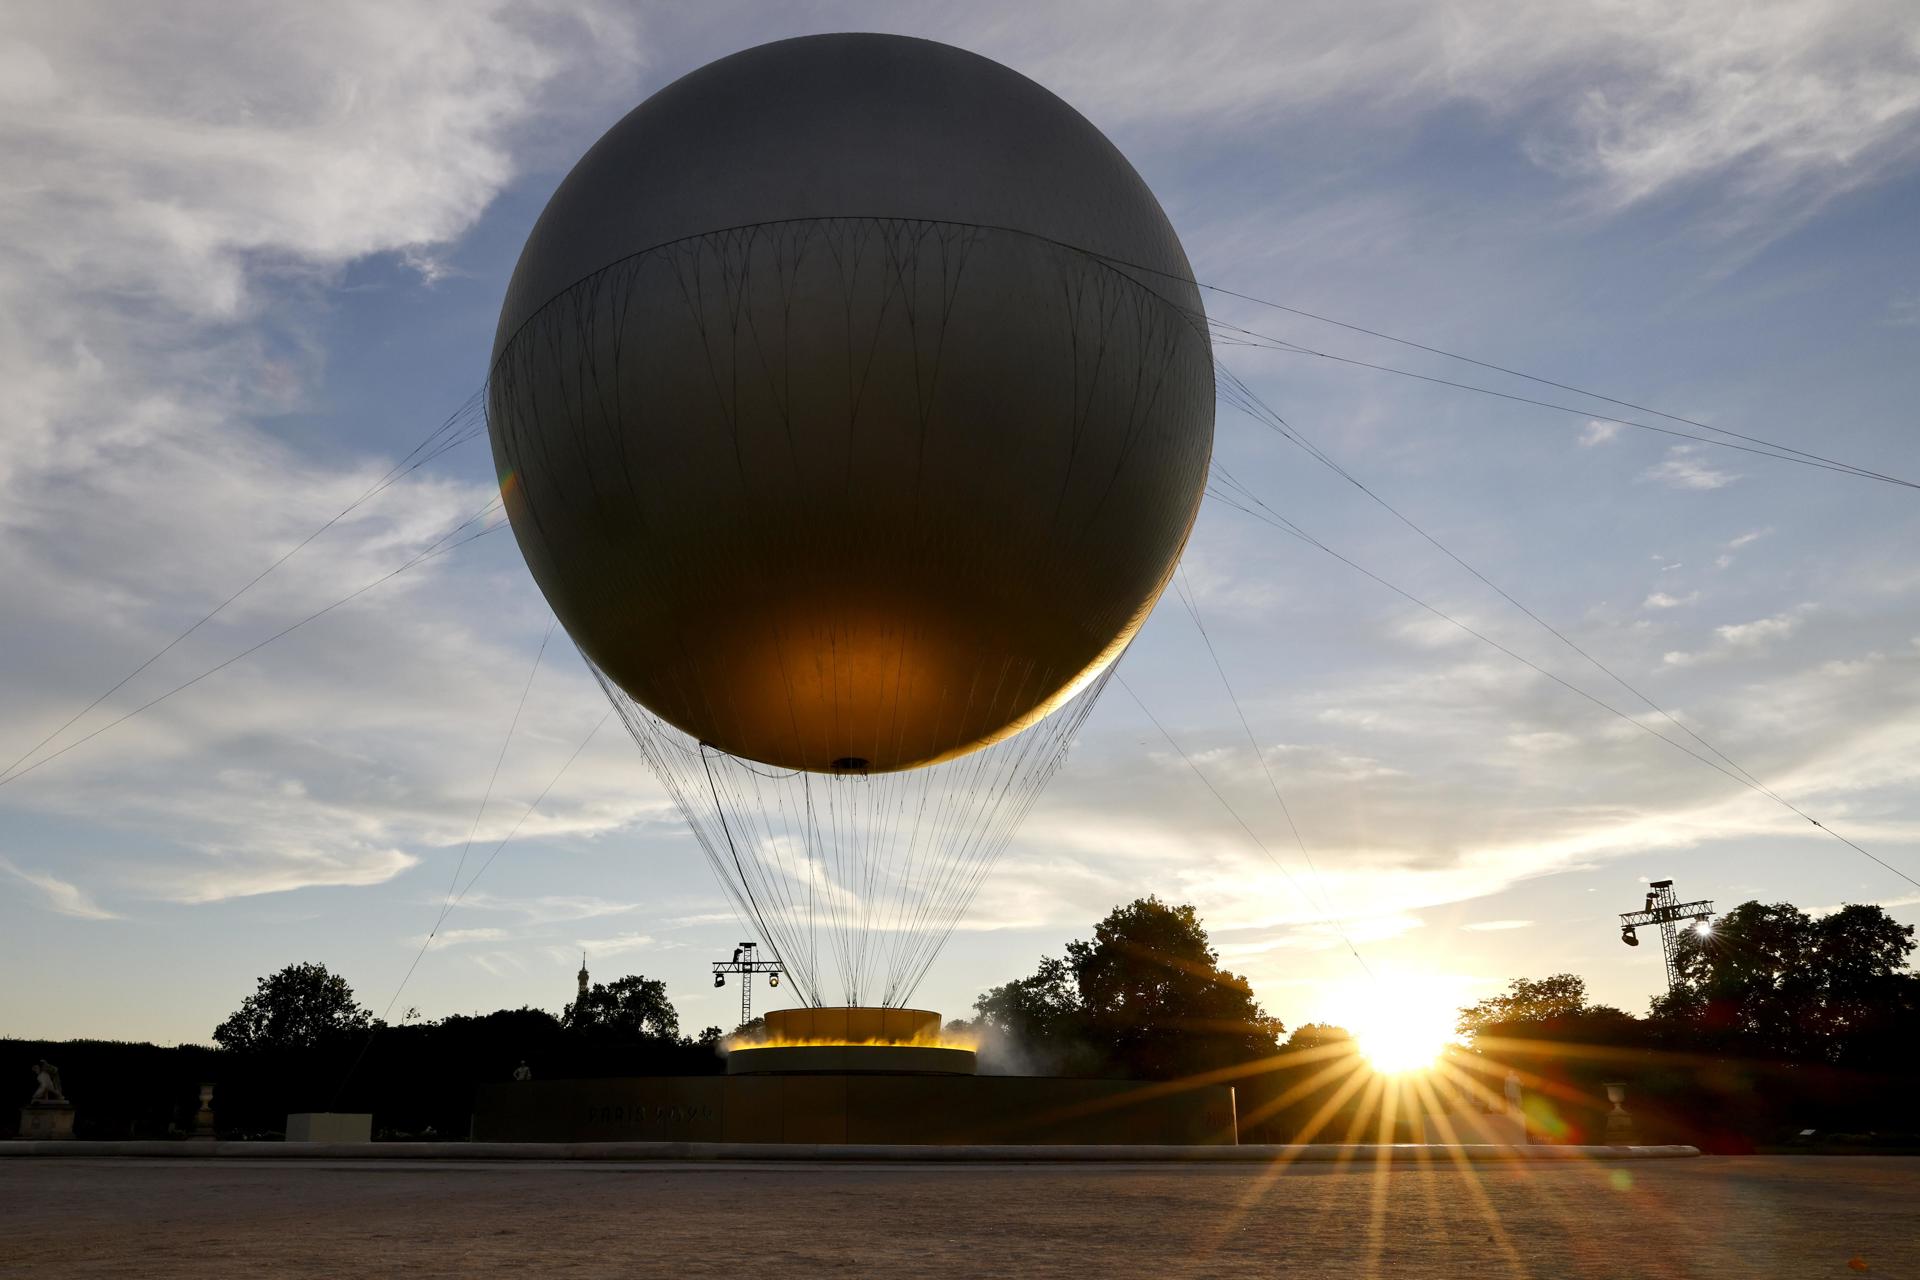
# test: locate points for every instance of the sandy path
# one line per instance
(1751, 1217)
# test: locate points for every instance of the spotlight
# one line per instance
(1702, 924)
(1628, 936)
(719, 979)
(773, 979)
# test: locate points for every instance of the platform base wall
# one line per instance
(927, 1110)
(330, 1126)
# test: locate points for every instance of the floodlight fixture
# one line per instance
(1664, 911)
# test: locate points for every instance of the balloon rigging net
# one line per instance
(856, 880)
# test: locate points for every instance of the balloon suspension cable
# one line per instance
(753, 907)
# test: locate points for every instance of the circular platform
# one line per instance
(851, 1040)
(853, 1024)
(850, 1059)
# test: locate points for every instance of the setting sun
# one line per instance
(1400, 1027)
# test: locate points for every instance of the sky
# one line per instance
(250, 255)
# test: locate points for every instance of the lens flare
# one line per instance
(1401, 1028)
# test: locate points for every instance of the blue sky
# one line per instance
(248, 258)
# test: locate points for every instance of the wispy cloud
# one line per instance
(62, 896)
(1788, 103)
(1744, 637)
(455, 937)
(1685, 468)
(1661, 600)
(1725, 559)
(621, 944)
(1598, 432)
(1496, 926)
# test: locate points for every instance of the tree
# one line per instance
(1310, 1036)
(633, 1007)
(299, 1007)
(1772, 981)
(1553, 1008)
(1036, 1009)
(1527, 1000)
(1145, 997)
(1870, 1007)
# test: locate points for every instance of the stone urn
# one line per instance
(1619, 1121)
(203, 1118)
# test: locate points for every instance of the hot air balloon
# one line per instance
(852, 402)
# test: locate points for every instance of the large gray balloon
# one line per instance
(852, 402)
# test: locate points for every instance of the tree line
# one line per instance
(1782, 1020)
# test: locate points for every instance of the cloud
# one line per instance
(549, 909)
(1661, 600)
(1904, 900)
(62, 896)
(621, 944)
(1725, 559)
(455, 937)
(1743, 637)
(1428, 631)
(182, 148)
(1222, 588)
(1683, 468)
(1748, 635)
(1598, 432)
(199, 177)
(1787, 103)
(1496, 926)
(1464, 801)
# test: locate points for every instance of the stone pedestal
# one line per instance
(1619, 1120)
(44, 1121)
(203, 1118)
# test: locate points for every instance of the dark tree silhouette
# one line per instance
(1032, 1010)
(1319, 1035)
(300, 1007)
(1550, 1008)
(1144, 997)
(1771, 981)
(633, 1007)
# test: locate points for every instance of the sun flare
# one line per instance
(1401, 1028)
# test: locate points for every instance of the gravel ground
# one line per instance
(1715, 1216)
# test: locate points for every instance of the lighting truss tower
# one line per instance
(746, 964)
(1664, 909)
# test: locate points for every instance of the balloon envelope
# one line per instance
(852, 403)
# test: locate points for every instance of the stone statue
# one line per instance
(1516, 1106)
(48, 1114)
(523, 1072)
(48, 1077)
